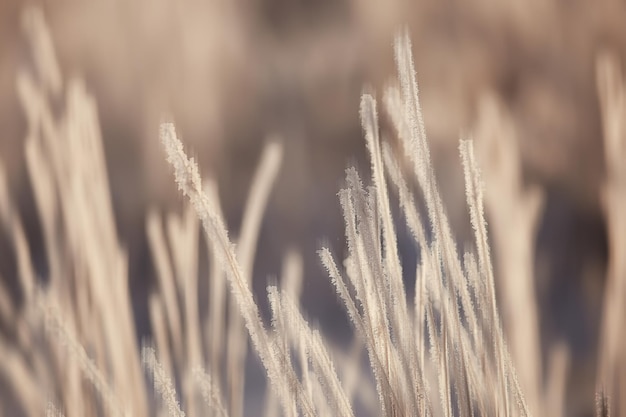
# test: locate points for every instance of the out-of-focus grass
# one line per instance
(269, 69)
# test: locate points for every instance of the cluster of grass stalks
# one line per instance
(71, 349)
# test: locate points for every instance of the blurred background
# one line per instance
(233, 74)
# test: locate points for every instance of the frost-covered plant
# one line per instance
(443, 355)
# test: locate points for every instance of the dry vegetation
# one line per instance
(71, 345)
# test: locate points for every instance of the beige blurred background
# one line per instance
(233, 73)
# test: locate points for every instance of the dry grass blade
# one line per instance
(475, 203)
(162, 382)
(77, 353)
(404, 334)
(217, 298)
(210, 391)
(165, 275)
(160, 332)
(188, 180)
(260, 189)
(315, 349)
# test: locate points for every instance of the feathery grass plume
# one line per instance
(178, 272)
(162, 382)
(462, 348)
(404, 110)
(272, 356)
(612, 360)
(362, 237)
(217, 298)
(210, 391)
(459, 346)
(404, 336)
